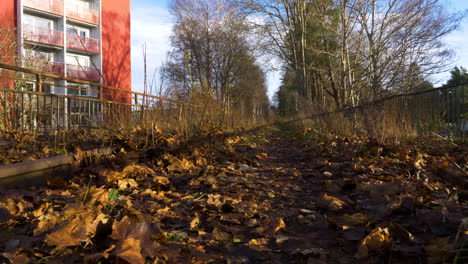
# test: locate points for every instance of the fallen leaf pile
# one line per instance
(248, 199)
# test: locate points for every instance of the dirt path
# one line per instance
(282, 201)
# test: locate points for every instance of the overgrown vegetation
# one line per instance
(291, 197)
(360, 160)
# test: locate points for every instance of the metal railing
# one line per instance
(44, 65)
(82, 14)
(440, 111)
(83, 73)
(38, 102)
(50, 6)
(43, 35)
(82, 43)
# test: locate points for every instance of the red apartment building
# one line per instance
(80, 39)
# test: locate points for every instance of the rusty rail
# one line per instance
(38, 102)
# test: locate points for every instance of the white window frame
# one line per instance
(76, 62)
(77, 30)
(35, 18)
(85, 87)
(35, 53)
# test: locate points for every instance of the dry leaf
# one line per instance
(220, 235)
(80, 228)
(194, 223)
(130, 251)
(378, 239)
(355, 219)
(17, 258)
(331, 203)
(127, 183)
(178, 165)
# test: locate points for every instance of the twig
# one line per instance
(88, 188)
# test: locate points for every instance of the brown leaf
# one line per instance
(130, 250)
(215, 200)
(111, 176)
(81, 228)
(127, 183)
(270, 227)
(161, 183)
(137, 171)
(129, 228)
(17, 258)
(93, 258)
(277, 225)
(133, 228)
(194, 223)
(47, 222)
(378, 239)
(354, 219)
(98, 194)
(331, 203)
(178, 165)
(220, 235)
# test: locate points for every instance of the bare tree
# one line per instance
(395, 35)
(8, 45)
(210, 49)
(284, 23)
(354, 50)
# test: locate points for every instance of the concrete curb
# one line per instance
(16, 172)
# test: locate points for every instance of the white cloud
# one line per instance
(150, 25)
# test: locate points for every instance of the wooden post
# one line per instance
(39, 82)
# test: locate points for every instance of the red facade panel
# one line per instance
(7, 13)
(8, 40)
(116, 62)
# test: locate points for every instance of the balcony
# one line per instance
(49, 6)
(43, 35)
(83, 14)
(55, 67)
(43, 65)
(82, 43)
(83, 73)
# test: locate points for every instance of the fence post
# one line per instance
(39, 82)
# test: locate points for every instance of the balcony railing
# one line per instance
(83, 14)
(41, 65)
(82, 73)
(49, 6)
(82, 43)
(55, 67)
(43, 35)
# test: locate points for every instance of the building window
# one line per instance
(83, 90)
(80, 31)
(38, 55)
(81, 3)
(38, 22)
(72, 59)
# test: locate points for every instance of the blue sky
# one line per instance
(151, 24)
